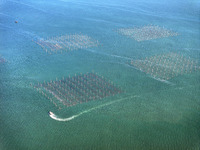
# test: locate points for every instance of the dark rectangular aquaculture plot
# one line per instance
(76, 90)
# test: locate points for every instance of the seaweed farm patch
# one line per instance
(66, 43)
(166, 66)
(78, 89)
(145, 33)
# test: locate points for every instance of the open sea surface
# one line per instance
(149, 115)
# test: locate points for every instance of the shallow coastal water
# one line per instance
(149, 114)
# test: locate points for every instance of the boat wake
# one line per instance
(55, 117)
(162, 80)
(111, 55)
(127, 58)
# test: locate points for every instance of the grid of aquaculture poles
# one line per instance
(78, 89)
(145, 33)
(66, 43)
(166, 66)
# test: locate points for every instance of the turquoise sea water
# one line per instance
(150, 114)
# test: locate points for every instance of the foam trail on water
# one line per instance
(55, 117)
(116, 56)
(25, 33)
(28, 34)
(161, 80)
(4, 26)
(113, 62)
(31, 6)
(191, 49)
(6, 15)
(158, 79)
(127, 58)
